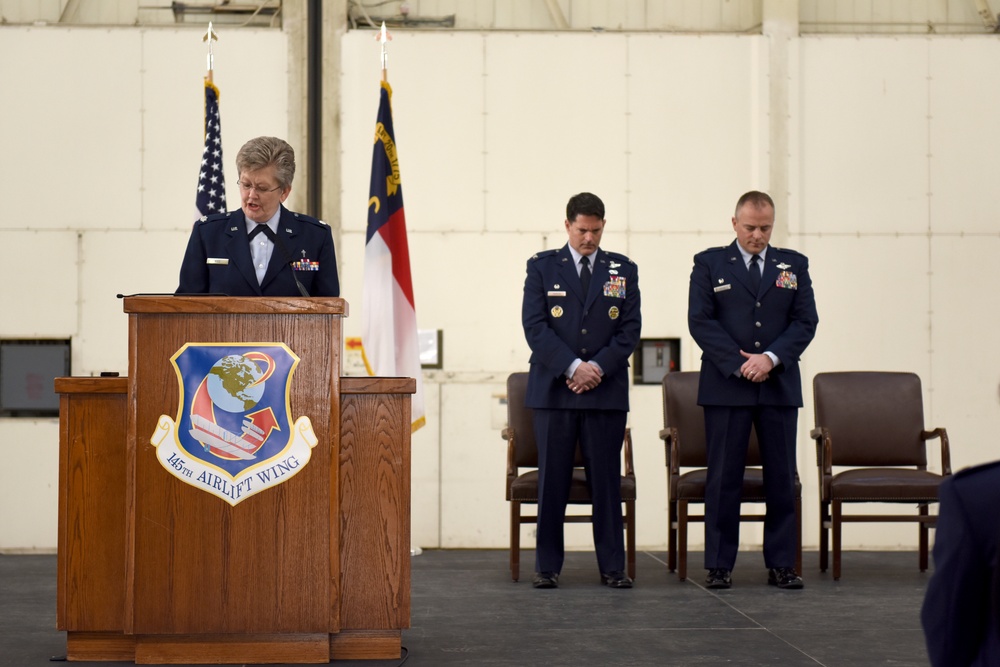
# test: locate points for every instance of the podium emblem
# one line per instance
(234, 435)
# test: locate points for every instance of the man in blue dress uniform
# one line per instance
(961, 612)
(261, 249)
(581, 319)
(752, 312)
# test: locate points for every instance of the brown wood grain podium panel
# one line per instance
(375, 483)
(374, 491)
(197, 565)
(91, 540)
(315, 568)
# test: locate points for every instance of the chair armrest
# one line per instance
(945, 447)
(510, 436)
(669, 436)
(824, 459)
(824, 451)
(627, 446)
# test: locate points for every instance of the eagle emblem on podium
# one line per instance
(233, 435)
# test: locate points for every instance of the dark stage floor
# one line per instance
(466, 611)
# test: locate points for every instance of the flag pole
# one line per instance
(210, 36)
(211, 195)
(383, 37)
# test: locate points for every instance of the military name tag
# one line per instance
(217, 260)
(721, 288)
(557, 293)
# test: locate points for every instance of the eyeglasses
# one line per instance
(247, 187)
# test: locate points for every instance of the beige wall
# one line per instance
(890, 170)
(817, 16)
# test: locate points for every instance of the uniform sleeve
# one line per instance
(547, 348)
(613, 358)
(715, 342)
(957, 604)
(194, 268)
(802, 320)
(327, 283)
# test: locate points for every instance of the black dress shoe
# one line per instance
(616, 579)
(784, 577)
(719, 577)
(546, 580)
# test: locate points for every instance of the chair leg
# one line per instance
(824, 536)
(924, 529)
(630, 536)
(837, 527)
(682, 539)
(672, 535)
(515, 540)
(798, 543)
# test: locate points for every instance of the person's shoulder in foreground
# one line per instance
(960, 611)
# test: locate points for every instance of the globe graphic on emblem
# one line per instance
(231, 383)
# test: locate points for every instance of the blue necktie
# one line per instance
(585, 274)
(755, 273)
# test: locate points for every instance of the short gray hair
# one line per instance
(266, 151)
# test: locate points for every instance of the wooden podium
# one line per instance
(155, 568)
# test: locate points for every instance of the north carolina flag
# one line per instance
(211, 197)
(389, 319)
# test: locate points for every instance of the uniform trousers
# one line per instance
(600, 434)
(727, 433)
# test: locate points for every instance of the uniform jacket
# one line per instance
(960, 615)
(725, 316)
(562, 324)
(218, 259)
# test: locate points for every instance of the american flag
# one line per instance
(211, 181)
